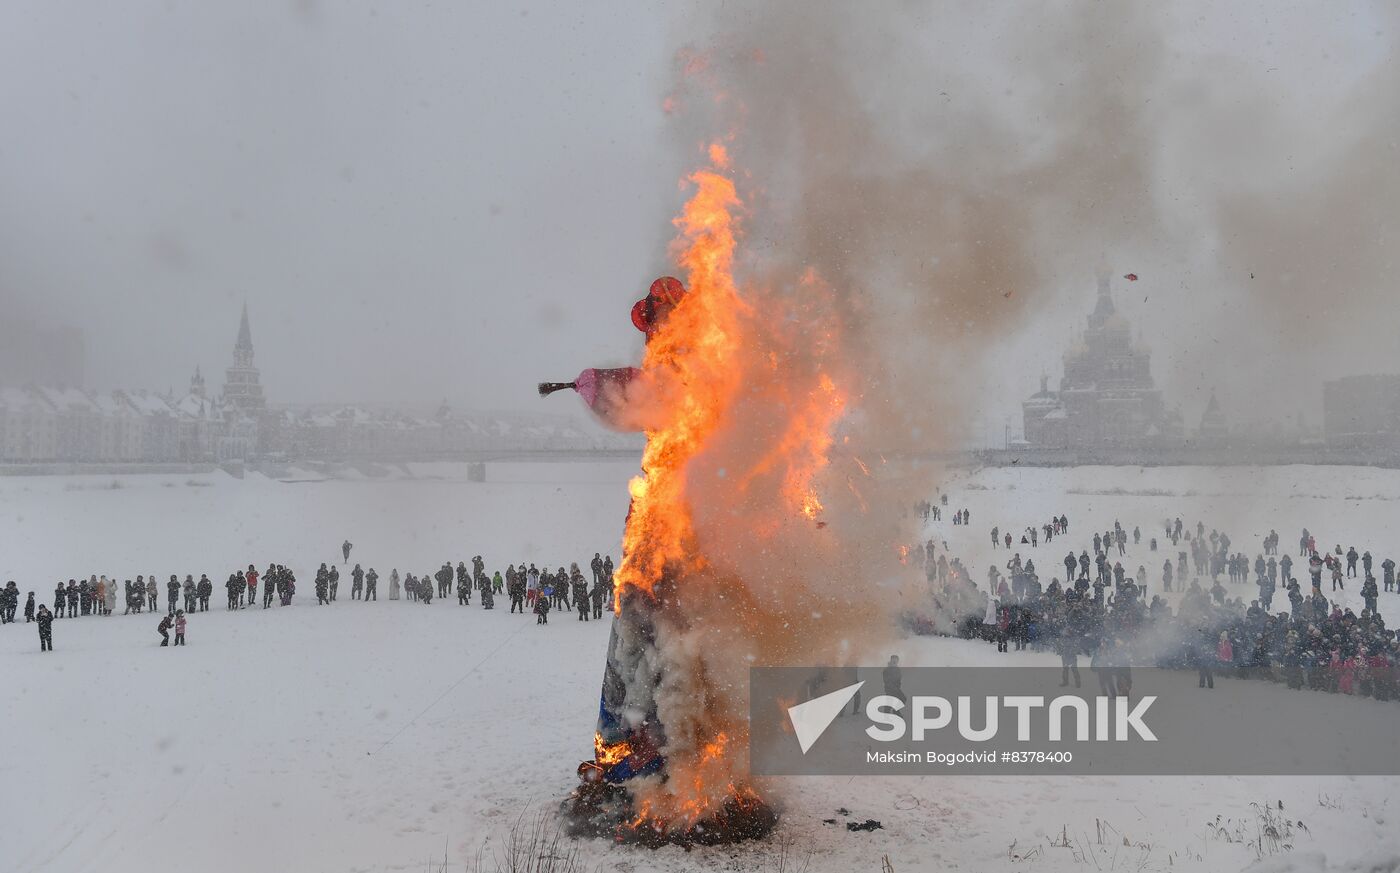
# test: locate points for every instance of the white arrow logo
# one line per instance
(811, 719)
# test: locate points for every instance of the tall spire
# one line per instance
(1103, 308)
(245, 334)
(241, 388)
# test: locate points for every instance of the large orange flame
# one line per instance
(749, 393)
(688, 363)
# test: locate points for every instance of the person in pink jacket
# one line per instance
(179, 627)
(1225, 651)
(1346, 675)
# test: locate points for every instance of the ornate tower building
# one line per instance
(242, 391)
(1107, 397)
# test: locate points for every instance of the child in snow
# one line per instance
(164, 628)
(541, 610)
(179, 627)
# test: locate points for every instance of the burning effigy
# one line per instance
(729, 559)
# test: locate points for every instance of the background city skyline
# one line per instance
(403, 232)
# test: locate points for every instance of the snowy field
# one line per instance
(389, 736)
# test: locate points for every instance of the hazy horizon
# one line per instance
(429, 203)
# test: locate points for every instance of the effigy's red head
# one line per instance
(649, 313)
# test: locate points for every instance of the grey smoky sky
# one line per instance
(459, 200)
(416, 201)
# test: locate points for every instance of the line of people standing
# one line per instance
(540, 590)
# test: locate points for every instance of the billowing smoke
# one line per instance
(872, 261)
(1310, 231)
(918, 193)
(942, 221)
(959, 175)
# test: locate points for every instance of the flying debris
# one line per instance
(1131, 277)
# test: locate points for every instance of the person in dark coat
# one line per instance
(581, 599)
(323, 581)
(596, 565)
(425, 588)
(191, 593)
(29, 608)
(60, 598)
(1266, 592)
(10, 601)
(166, 621)
(1069, 659)
(371, 585)
(1369, 592)
(357, 583)
(893, 678)
(488, 592)
(345, 548)
(563, 586)
(598, 595)
(45, 620)
(205, 590)
(541, 610)
(334, 578)
(464, 587)
(172, 592)
(1203, 653)
(517, 591)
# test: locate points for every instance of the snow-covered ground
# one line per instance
(389, 735)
